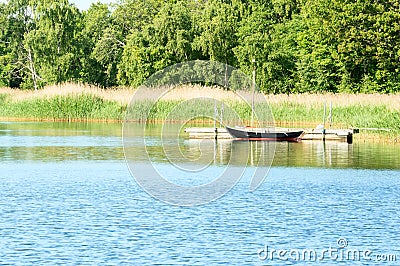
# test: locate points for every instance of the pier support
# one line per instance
(350, 138)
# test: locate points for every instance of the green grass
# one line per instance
(77, 107)
(198, 109)
(3, 98)
(357, 116)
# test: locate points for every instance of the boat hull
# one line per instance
(243, 134)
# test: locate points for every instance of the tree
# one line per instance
(299, 45)
(5, 53)
(369, 43)
(17, 58)
(268, 35)
(108, 52)
(314, 66)
(96, 20)
(41, 42)
(254, 39)
(54, 40)
(164, 42)
(218, 25)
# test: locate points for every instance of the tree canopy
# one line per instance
(298, 45)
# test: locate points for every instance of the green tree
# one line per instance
(164, 42)
(218, 25)
(54, 41)
(268, 35)
(40, 38)
(95, 21)
(129, 16)
(5, 55)
(315, 65)
(369, 45)
(299, 45)
(18, 68)
(349, 46)
(253, 35)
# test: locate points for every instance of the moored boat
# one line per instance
(264, 134)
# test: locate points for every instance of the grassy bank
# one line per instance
(63, 103)
(63, 108)
(77, 102)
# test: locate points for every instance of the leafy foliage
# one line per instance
(299, 45)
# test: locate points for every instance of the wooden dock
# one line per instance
(340, 135)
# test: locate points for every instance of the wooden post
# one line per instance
(331, 116)
(215, 120)
(323, 129)
(253, 92)
(222, 114)
(350, 138)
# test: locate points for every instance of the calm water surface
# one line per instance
(67, 197)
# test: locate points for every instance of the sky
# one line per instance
(85, 4)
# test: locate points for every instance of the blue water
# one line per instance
(88, 210)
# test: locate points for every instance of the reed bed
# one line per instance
(67, 102)
(185, 92)
(65, 108)
(119, 95)
(378, 117)
(392, 101)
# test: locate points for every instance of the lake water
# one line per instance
(67, 197)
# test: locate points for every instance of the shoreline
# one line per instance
(81, 103)
(362, 137)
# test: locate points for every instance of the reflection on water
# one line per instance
(66, 197)
(99, 141)
(63, 153)
(49, 142)
(307, 154)
(315, 154)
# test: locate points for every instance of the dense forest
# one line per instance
(299, 45)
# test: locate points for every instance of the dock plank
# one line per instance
(342, 135)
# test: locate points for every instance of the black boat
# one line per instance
(252, 134)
